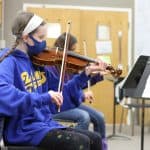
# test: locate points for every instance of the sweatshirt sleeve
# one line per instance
(73, 88)
(12, 100)
(93, 80)
(72, 92)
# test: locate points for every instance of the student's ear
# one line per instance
(25, 38)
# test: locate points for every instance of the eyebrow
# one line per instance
(41, 36)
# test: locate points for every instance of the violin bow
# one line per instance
(64, 60)
(85, 53)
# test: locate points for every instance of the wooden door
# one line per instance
(117, 21)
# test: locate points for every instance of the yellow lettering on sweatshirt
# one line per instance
(32, 81)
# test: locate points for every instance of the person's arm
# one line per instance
(75, 85)
(73, 94)
(12, 100)
(99, 77)
(72, 90)
(93, 80)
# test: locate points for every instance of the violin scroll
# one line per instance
(115, 72)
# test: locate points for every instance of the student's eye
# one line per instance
(42, 37)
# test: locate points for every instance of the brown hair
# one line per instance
(61, 41)
(18, 26)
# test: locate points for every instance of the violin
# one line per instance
(75, 61)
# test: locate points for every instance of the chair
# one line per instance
(3, 146)
(127, 103)
(115, 103)
(132, 107)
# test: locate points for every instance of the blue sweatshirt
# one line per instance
(24, 99)
(78, 97)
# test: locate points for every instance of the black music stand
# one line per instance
(114, 135)
(134, 86)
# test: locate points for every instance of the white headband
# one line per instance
(34, 22)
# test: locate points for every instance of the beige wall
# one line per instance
(12, 6)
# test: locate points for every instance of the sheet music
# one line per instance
(146, 92)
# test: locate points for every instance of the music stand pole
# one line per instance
(142, 124)
(114, 135)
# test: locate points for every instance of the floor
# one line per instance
(124, 140)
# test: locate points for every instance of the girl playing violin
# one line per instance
(27, 91)
(82, 114)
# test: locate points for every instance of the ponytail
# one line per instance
(10, 51)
